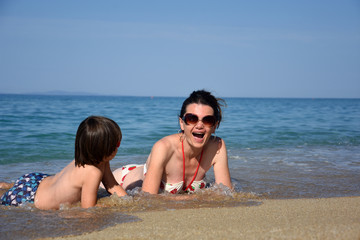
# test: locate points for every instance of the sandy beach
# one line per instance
(326, 218)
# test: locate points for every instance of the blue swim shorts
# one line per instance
(23, 190)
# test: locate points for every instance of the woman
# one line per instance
(178, 162)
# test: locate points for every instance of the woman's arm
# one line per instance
(155, 165)
(221, 168)
(109, 182)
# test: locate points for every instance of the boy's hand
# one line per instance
(110, 184)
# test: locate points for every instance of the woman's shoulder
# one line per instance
(162, 150)
(215, 144)
(215, 141)
(168, 141)
(165, 147)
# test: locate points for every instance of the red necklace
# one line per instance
(182, 145)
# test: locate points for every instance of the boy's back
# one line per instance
(66, 187)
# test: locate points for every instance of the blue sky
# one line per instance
(169, 48)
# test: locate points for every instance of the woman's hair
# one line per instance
(205, 98)
(96, 138)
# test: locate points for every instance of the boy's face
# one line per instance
(107, 159)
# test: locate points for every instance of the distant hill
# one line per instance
(66, 93)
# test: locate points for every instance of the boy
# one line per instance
(97, 142)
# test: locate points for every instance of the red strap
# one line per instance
(182, 145)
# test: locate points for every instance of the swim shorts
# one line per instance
(23, 190)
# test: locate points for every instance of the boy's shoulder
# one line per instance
(88, 170)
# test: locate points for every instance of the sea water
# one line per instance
(277, 148)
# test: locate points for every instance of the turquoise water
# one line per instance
(278, 148)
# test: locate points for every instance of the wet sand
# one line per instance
(327, 218)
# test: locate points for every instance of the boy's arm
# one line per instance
(110, 184)
(90, 187)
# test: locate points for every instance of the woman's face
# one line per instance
(197, 133)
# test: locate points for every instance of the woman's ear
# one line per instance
(181, 123)
(214, 127)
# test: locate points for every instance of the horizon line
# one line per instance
(89, 94)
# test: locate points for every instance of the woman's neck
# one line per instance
(190, 151)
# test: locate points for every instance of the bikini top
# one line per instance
(180, 187)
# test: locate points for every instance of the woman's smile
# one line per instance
(197, 130)
(198, 136)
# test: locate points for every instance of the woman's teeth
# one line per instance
(198, 135)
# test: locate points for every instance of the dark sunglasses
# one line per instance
(192, 119)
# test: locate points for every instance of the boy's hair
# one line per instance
(206, 98)
(96, 138)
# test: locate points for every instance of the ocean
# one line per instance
(277, 148)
